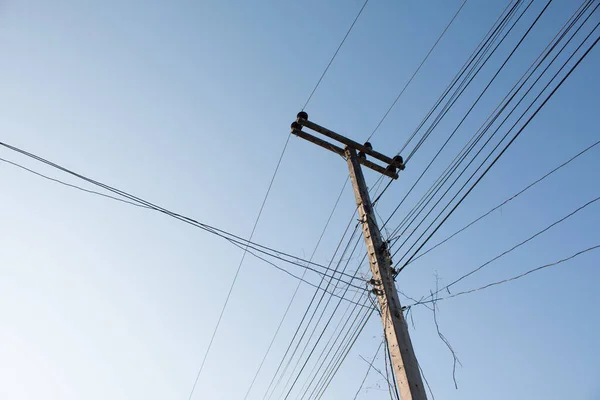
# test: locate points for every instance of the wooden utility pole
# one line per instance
(404, 361)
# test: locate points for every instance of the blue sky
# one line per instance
(188, 104)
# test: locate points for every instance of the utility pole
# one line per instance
(404, 361)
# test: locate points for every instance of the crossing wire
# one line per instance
(479, 134)
(552, 264)
(288, 392)
(428, 133)
(305, 105)
(138, 202)
(324, 328)
(548, 97)
(417, 70)
(453, 18)
(267, 194)
(339, 363)
(337, 335)
(469, 70)
(299, 327)
(514, 196)
(513, 248)
(362, 383)
(283, 318)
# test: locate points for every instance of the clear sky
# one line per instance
(188, 104)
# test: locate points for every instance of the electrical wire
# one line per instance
(233, 239)
(355, 336)
(335, 342)
(552, 264)
(284, 316)
(362, 383)
(320, 335)
(417, 70)
(237, 272)
(71, 185)
(564, 29)
(514, 196)
(147, 204)
(478, 54)
(336, 337)
(299, 327)
(548, 97)
(335, 54)
(513, 248)
(428, 133)
(469, 70)
(479, 134)
(395, 394)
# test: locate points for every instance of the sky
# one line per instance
(188, 105)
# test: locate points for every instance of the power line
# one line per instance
(465, 151)
(299, 327)
(436, 187)
(470, 65)
(71, 185)
(547, 228)
(321, 334)
(233, 239)
(335, 54)
(470, 69)
(514, 196)
(336, 341)
(332, 343)
(512, 278)
(362, 383)
(428, 133)
(345, 354)
(340, 355)
(417, 70)
(423, 60)
(294, 295)
(441, 181)
(548, 97)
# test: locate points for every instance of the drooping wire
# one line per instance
(233, 239)
(131, 203)
(126, 195)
